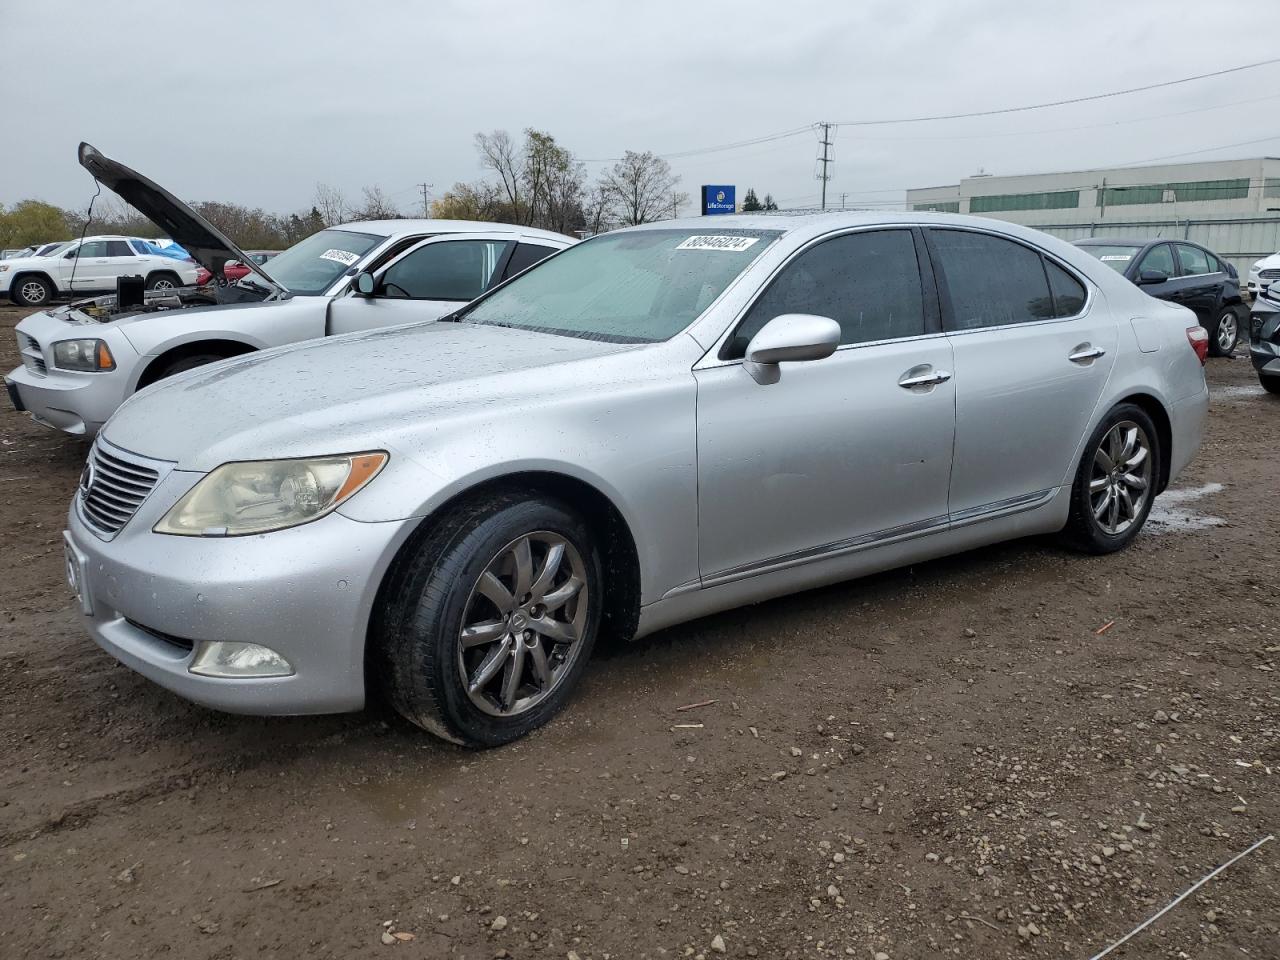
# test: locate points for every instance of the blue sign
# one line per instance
(717, 199)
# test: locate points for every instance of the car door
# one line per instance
(1159, 260)
(1033, 349)
(1199, 280)
(425, 282)
(840, 453)
(86, 266)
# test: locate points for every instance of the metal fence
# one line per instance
(1241, 240)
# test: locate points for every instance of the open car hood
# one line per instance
(206, 243)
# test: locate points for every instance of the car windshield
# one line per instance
(310, 266)
(1117, 256)
(639, 286)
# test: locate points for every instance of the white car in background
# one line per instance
(1263, 273)
(92, 265)
(81, 361)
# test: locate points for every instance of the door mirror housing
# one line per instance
(365, 284)
(1152, 276)
(790, 337)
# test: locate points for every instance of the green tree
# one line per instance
(750, 203)
(32, 221)
(769, 203)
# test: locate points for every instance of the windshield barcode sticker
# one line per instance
(732, 244)
(1122, 257)
(343, 257)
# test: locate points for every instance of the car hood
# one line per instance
(348, 393)
(1268, 263)
(210, 247)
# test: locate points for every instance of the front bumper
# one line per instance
(306, 593)
(76, 403)
(1265, 355)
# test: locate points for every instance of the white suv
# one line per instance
(92, 265)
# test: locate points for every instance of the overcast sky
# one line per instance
(255, 102)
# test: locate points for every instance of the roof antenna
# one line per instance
(71, 283)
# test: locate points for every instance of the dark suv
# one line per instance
(1184, 273)
(1264, 337)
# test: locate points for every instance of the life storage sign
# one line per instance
(717, 199)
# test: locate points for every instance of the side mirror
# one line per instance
(1152, 276)
(365, 284)
(791, 337)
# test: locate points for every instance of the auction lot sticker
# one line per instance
(732, 244)
(341, 256)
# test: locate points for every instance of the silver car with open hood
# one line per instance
(653, 425)
(80, 362)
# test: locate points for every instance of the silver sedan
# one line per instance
(653, 425)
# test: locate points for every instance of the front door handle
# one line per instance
(923, 376)
(1085, 354)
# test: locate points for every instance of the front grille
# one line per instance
(32, 355)
(1269, 274)
(112, 488)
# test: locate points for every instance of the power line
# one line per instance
(1058, 103)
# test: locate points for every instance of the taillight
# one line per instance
(1198, 337)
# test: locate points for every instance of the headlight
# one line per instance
(262, 495)
(82, 355)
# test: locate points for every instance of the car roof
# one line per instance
(396, 228)
(801, 227)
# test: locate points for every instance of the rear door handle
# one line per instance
(1086, 353)
(923, 376)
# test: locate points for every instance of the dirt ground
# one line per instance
(951, 759)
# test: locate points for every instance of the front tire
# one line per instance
(1270, 383)
(1115, 482)
(32, 291)
(488, 619)
(1224, 334)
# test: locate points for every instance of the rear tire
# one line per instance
(1270, 383)
(464, 645)
(1115, 482)
(163, 281)
(1224, 334)
(32, 291)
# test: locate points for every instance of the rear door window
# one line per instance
(118, 248)
(525, 256)
(991, 281)
(1068, 292)
(93, 248)
(1194, 262)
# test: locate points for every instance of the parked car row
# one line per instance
(511, 453)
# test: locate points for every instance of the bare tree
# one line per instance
(499, 153)
(641, 188)
(332, 204)
(377, 206)
(595, 209)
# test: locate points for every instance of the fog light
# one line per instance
(218, 659)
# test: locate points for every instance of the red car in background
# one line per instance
(234, 270)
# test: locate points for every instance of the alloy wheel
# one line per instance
(32, 292)
(163, 284)
(1120, 482)
(1226, 334)
(523, 624)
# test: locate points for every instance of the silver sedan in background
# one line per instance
(647, 427)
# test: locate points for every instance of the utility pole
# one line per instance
(842, 196)
(825, 160)
(426, 204)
